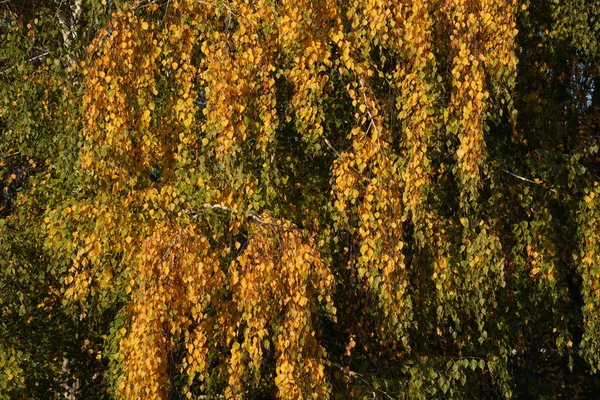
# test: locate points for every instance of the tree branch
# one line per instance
(31, 59)
(371, 118)
(523, 178)
(356, 375)
(256, 217)
(337, 154)
(221, 4)
(9, 155)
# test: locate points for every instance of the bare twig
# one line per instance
(166, 9)
(146, 5)
(337, 154)
(256, 217)
(169, 248)
(220, 4)
(9, 155)
(350, 373)
(31, 59)
(39, 56)
(372, 119)
(522, 178)
(356, 375)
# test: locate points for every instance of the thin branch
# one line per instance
(166, 9)
(221, 4)
(522, 178)
(256, 217)
(337, 154)
(146, 5)
(169, 248)
(368, 111)
(31, 59)
(356, 375)
(350, 373)
(39, 56)
(9, 155)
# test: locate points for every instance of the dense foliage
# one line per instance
(299, 199)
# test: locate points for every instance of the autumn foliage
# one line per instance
(299, 199)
